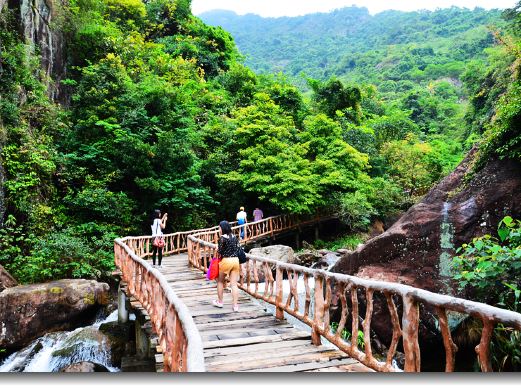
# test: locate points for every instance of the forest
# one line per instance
(162, 111)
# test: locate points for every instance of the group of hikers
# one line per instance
(228, 247)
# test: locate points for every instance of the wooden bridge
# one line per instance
(195, 336)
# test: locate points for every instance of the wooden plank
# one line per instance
(260, 355)
(255, 340)
(269, 321)
(243, 333)
(294, 358)
(306, 366)
(225, 310)
(203, 319)
(249, 328)
(260, 347)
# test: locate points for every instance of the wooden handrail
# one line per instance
(178, 335)
(328, 286)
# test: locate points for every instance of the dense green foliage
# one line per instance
(415, 59)
(164, 114)
(489, 268)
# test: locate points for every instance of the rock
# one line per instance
(277, 252)
(343, 251)
(417, 249)
(30, 311)
(36, 19)
(307, 258)
(321, 264)
(118, 335)
(84, 366)
(331, 258)
(6, 280)
(307, 246)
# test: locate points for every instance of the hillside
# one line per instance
(347, 41)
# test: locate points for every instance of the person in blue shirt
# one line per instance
(242, 219)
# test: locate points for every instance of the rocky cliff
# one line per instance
(37, 20)
(417, 249)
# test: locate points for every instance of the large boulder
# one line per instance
(418, 248)
(307, 258)
(6, 280)
(30, 311)
(277, 252)
(84, 366)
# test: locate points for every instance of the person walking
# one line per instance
(242, 218)
(228, 249)
(158, 243)
(257, 214)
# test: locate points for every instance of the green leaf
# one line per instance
(503, 233)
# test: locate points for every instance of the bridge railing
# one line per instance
(178, 336)
(324, 290)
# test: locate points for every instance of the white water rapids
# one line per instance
(56, 350)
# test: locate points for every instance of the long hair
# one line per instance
(225, 227)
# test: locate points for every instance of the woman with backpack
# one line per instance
(228, 248)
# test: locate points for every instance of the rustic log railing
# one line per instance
(331, 288)
(178, 336)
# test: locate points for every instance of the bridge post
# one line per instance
(279, 314)
(318, 311)
(122, 305)
(410, 324)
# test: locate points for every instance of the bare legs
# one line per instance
(220, 286)
(234, 276)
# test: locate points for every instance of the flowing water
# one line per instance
(56, 350)
(446, 242)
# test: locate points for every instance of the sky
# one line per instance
(275, 8)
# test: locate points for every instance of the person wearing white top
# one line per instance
(242, 218)
(157, 226)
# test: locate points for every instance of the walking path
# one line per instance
(252, 339)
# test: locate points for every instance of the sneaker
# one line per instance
(236, 308)
(217, 303)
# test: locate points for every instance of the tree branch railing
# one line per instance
(330, 288)
(178, 336)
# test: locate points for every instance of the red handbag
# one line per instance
(159, 242)
(213, 269)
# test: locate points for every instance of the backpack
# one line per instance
(241, 255)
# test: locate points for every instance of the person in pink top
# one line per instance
(257, 214)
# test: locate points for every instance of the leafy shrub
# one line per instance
(349, 242)
(347, 335)
(490, 268)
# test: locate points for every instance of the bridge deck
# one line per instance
(251, 339)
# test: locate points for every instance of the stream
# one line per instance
(56, 350)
